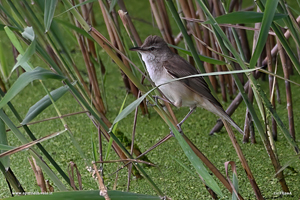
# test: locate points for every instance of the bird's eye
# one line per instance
(152, 48)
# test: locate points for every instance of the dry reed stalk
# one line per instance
(217, 12)
(233, 4)
(225, 80)
(162, 21)
(102, 188)
(243, 160)
(49, 186)
(271, 86)
(126, 19)
(87, 13)
(195, 28)
(288, 91)
(71, 168)
(132, 144)
(38, 175)
(208, 40)
(97, 100)
(289, 64)
(114, 33)
(166, 22)
(251, 125)
(274, 50)
(131, 31)
(113, 39)
(106, 45)
(190, 12)
(248, 125)
(244, 42)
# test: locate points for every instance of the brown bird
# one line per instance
(163, 65)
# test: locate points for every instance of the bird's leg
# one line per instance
(183, 120)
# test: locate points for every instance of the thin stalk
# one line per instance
(288, 91)
(132, 145)
(271, 86)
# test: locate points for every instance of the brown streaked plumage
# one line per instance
(163, 65)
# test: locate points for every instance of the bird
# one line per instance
(163, 65)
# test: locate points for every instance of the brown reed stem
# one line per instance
(97, 100)
(271, 86)
(288, 91)
(128, 23)
(243, 161)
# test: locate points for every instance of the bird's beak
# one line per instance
(136, 49)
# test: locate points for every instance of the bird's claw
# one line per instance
(155, 99)
(149, 104)
(178, 128)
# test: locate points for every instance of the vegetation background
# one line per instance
(172, 170)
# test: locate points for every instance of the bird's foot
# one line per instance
(178, 128)
(155, 99)
(149, 104)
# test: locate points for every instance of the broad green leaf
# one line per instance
(91, 195)
(131, 107)
(42, 104)
(3, 141)
(22, 59)
(25, 79)
(235, 185)
(112, 4)
(28, 33)
(196, 162)
(24, 55)
(184, 166)
(3, 60)
(268, 16)
(49, 13)
(244, 17)
(202, 57)
(14, 40)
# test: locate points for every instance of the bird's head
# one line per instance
(154, 46)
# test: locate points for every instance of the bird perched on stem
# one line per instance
(163, 65)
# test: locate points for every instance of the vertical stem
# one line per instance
(243, 160)
(288, 91)
(271, 86)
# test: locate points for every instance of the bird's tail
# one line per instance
(228, 118)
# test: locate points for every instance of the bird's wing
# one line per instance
(197, 84)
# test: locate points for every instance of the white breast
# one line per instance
(175, 91)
